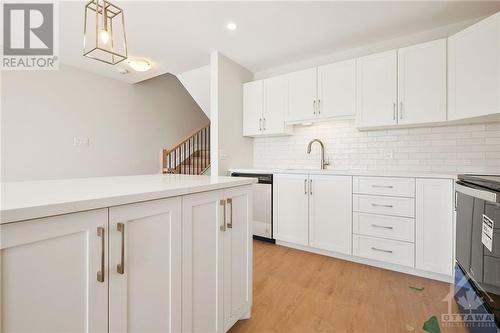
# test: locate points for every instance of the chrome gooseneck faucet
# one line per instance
(324, 163)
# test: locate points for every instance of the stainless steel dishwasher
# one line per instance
(262, 224)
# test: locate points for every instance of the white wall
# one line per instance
(363, 50)
(197, 83)
(229, 148)
(127, 125)
(454, 149)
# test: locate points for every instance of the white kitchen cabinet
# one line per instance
(291, 201)
(49, 274)
(237, 255)
(474, 70)
(422, 83)
(330, 213)
(376, 93)
(252, 108)
(302, 96)
(217, 248)
(264, 107)
(145, 267)
(337, 90)
(434, 225)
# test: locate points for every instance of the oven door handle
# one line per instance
(477, 193)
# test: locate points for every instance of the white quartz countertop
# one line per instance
(347, 173)
(35, 199)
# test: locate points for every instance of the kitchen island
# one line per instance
(169, 253)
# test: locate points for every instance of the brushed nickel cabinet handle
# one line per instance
(382, 226)
(100, 274)
(383, 186)
(305, 186)
(264, 123)
(394, 116)
(223, 227)
(380, 205)
(400, 110)
(310, 186)
(319, 106)
(314, 107)
(260, 124)
(120, 268)
(381, 250)
(230, 219)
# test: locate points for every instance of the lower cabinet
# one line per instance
(217, 248)
(180, 264)
(49, 274)
(314, 210)
(145, 267)
(330, 213)
(434, 225)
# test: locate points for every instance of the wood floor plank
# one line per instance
(297, 291)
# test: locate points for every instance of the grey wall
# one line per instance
(127, 125)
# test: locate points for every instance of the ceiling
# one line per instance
(179, 36)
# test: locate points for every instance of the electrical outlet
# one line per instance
(386, 154)
(81, 141)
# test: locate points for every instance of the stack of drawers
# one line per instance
(384, 219)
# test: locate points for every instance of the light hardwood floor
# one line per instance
(296, 291)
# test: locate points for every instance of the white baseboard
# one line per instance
(371, 262)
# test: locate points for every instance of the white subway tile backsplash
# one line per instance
(456, 149)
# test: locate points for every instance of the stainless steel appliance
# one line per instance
(262, 205)
(477, 270)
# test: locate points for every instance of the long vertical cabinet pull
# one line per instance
(305, 186)
(310, 186)
(223, 227)
(394, 111)
(230, 215)
(400, 110)
(319, 106)
(314, 107)
(100, 274)
(121, 266)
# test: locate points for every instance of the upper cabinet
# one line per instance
(264, 107)
(474, 70)
(337, 90)
(402, 87)
(302, 95)
(377, 90)
(422, 83)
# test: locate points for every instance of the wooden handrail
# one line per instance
(166, 151)
(190, 156)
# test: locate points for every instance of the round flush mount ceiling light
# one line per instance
(231, 26)
(139, 64)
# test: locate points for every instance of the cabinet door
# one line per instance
(474, 70)
(237, 255)
(302, 95)
(330, 213)
(252, 108)
(145, 292)
(422, 83)
(275, 104)
(376, 90)
(49, 274)
(202, 262)
(434, 225)
(337, 89)
(291, 208)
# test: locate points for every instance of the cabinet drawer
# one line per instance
(384, 205)
(391, 251)
(397, 228)
(398, 187)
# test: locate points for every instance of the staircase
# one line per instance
(191, 156)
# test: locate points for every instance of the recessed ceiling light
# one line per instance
(139, 65)
(231, 26)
